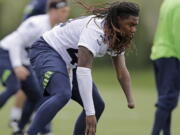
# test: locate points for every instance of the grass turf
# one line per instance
(117, 118)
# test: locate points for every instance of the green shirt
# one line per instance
(167, 38)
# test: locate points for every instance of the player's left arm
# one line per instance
(124, 78)
(86, 52)
(84, 78)
(26, 32)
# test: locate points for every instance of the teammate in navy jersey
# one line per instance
(15, 69)
(35, 7)
(108, 31)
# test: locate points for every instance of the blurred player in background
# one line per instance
(166, 55)
(15, 69)
(35, 7)
(75, 44)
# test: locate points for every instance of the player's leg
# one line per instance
(161, 116)
(167, 127)
(79, 128)
(47, 130)
(158, 76)
(31, 105)
(172, 96)
(60, 95)
(167, 78)
(7, 77)
(33, 93)
(20, 98)
(52, 74)
(16, 110)
(11, 83)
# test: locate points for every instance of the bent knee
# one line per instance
(100, 106)
(169, 102)
(63, 97)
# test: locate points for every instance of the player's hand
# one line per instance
(21, 72)
(131, 105)
(90, 125)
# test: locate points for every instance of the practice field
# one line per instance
(117, 118)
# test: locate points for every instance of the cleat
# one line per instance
(18, 133)
(46, 134)
(14, 125)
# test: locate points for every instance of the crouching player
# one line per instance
(109, 30)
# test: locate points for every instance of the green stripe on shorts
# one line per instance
(46, 78)
(6, 75)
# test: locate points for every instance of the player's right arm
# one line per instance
(84, 77)
(16, 42)
(21, 72)
(13, 44)
(86, 52)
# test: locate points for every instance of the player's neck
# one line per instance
(53, 19)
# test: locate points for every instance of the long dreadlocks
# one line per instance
(111, 12)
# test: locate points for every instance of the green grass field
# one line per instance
(117, 118)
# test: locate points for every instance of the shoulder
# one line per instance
(37, 21)
(35, 24)
(95, 24)
(38, 18)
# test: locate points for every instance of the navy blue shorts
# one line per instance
(46, 61)
(167, 74)
(4, 59)
(10, 81)
(7, 76)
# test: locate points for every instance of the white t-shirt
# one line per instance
(84, 31)
(20, 40)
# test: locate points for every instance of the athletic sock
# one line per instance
(15, 113)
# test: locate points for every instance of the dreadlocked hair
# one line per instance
(111, 12)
